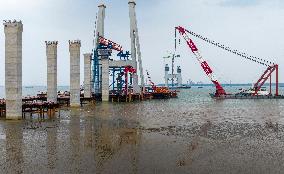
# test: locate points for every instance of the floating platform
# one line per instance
(161, 95)
(164, 95)
(233, 96)
(125, 98)
(139, 97)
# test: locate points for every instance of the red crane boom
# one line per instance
(108, 42)
(207, 69)
(150, 81)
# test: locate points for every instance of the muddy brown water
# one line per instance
(191, 134)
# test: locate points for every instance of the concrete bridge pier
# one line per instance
(87, 75)
(105, 79)
(74, 50)
(51, 54)
(13, 68)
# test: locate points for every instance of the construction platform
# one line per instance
(39, 105)
(125, 98)
(139, 97)
(61, 99)
(33, 107)
(167, 95)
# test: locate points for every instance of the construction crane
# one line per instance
(220, 92)
(104, 49)
(150, 81)
(207, 69)
(160, 92)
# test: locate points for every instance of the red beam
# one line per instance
(264, 77)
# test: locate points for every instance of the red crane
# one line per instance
(264, 77)
(150, 81)
(271, 67)
(207, 69)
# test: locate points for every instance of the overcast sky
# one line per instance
(252, 26)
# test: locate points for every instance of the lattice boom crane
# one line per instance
(207, 69)
(271, 67)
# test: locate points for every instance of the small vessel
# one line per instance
(184, 87)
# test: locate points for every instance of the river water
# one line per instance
(190, 134)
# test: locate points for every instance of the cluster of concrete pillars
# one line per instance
(13, 70)
(13, 65)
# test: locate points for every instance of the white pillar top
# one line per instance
(132, 1)
(102, 5)
(12, 24)
(76, 42)
(51, 43)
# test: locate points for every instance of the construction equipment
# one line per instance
(110, 44)
(152, 84)
(207, 69)
(104, 51)
(159, 92)
(127, 70)
(220, 92)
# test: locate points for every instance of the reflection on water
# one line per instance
(191, 134)
(51, 147)
(14, 149)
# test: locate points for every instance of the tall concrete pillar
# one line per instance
(74, 49)
(99, 32)
(105, 78)
(135, 47)
(104, 61)
(167, 69)
(51, 54)
(100, 22)
(13, 68)
(87, 75)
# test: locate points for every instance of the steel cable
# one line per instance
(236, 52)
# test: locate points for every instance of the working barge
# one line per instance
(239, 96)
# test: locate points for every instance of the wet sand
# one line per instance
(185, 135)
